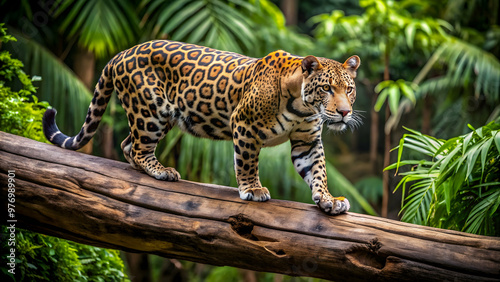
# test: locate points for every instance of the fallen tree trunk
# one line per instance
(106, 203)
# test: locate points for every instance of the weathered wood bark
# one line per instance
(106, 203)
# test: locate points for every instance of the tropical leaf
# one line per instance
(103, 27)
(468, 64)
(478, 220)
(416, 208)
(253, 27)
(219, 24)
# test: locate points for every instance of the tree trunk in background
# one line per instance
(172, 271)
(248, 275)
(138, 266)
(289, 8)
(374, 136)
(84, 68)
(373, 127)
(387, 160)
(387, 144)
(108, 145)
(426, 115)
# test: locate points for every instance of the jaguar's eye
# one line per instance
(349, 90)
(326, 87)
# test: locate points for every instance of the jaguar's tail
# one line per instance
(102, 94)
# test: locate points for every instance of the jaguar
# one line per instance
(255, 102)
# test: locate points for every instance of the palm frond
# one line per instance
(467, 65)
(479, 220)
(417, 207)
(219, 24)
(103, 27)
(459, 188)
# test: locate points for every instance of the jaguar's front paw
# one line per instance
(331, 205)
(255, 194)
(166, 173)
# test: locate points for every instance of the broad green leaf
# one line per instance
(497, 140)
(420, 149)
(451, 144)
(394, 96)
(382, 85)
(485, 148)
(487, 185)
(467, 139)
(456, 182)
(381, 99)
(407, 91)
(166, 14)
(479, 132)
(410, 34)
(472, 155)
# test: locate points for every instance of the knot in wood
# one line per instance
(243, 226)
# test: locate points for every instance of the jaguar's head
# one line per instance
(328, 86)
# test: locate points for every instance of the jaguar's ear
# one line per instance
(352, 64)
(310, 64)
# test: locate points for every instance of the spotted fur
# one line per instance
(214, 94)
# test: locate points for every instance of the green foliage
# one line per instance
(339, 185)
(204, 160)
(384, 26)
(60, 85)
(100, 265)
(226, 273)
(459, 188)
(20, 111)
(45, 258)
(393, 91)
(273, 34)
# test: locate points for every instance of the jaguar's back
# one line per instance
(172, 82)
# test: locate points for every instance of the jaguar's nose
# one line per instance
(343, 112)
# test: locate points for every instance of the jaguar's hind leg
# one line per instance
(143, 145)
(127, 150)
